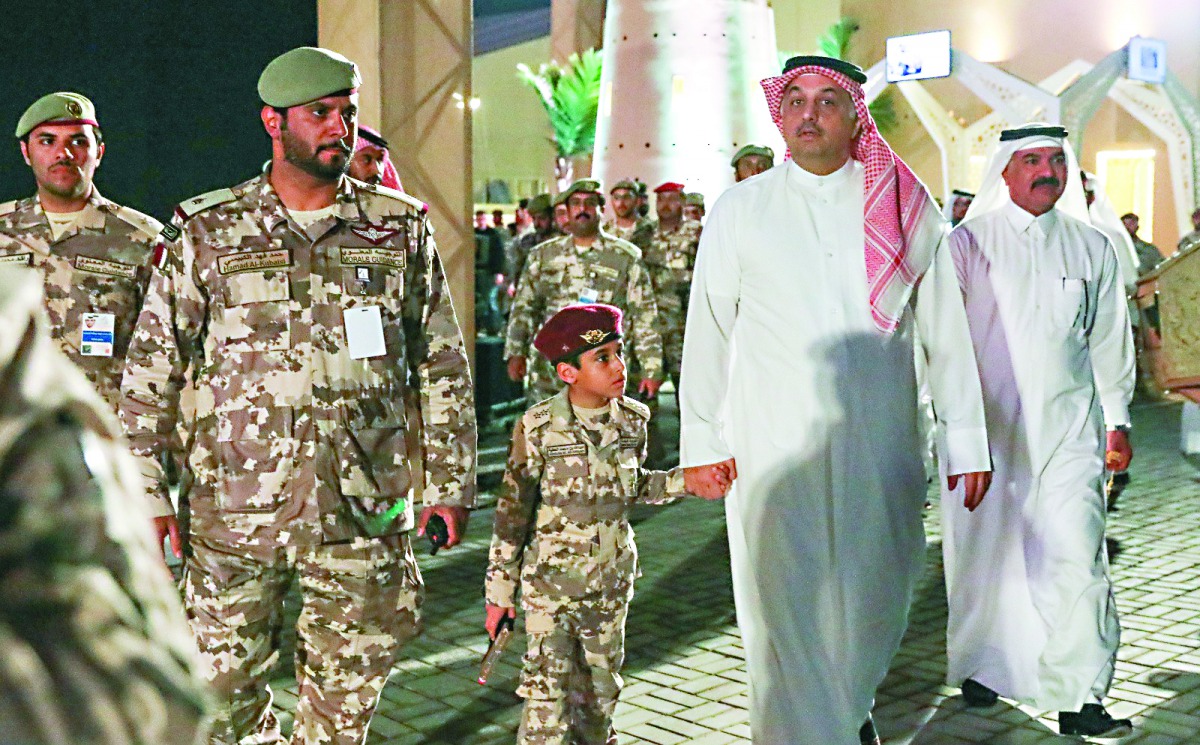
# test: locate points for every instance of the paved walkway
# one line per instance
(685, 673)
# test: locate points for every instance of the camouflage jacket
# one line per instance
(295, 442)
(562, 517)
(639, 234)
(671, 259)
(94, 646)
(100, 266)
(611, 271)
(518, 250)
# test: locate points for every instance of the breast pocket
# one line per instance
(1065, 301)
(257, 315)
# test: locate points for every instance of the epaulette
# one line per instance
(145, 223)
(637, 407)
(624, 245)
(538, 415)
(385, 191)
(196, 205)
(8, 207)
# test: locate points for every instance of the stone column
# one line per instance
(414, 56)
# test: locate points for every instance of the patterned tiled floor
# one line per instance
(685, 676)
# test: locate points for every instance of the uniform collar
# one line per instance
(260, 192)
(30, 216)
(811, 181)
(563, 419)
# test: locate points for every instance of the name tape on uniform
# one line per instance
(629, 442)
(562, 451)
(104, 266)
(17, 259)
(249, 261)
(372, 257)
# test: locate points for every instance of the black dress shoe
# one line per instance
(977, 695)
(1092, 721)
(867, 734)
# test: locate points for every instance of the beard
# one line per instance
(298, 153)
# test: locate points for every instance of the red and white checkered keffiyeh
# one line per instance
(894, 202)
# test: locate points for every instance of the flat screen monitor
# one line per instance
(1147, 60)
(918, 56)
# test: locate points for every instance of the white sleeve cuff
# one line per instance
(964, 450)
(701, 444)
(1116, 412)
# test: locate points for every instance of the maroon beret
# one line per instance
(668, 186)
(576, 329)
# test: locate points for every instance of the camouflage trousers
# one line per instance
(572, 674)
(360, 603)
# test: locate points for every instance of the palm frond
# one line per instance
(571, 97)
(835, 42)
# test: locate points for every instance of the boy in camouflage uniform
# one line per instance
(562, 530)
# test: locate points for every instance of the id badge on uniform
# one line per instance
(97, 334)
(589, 295)
(364, 332)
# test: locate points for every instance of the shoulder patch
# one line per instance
(384, 191)
(196, 205)
(538, 415)
(637, 407)
(170, 233)
(142, 222)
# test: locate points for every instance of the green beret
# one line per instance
(694, 197)
(626, 184)
(583, 185)
(68, 108)
(539, 204)
(560, 198)
(305, 74)
(752, 150)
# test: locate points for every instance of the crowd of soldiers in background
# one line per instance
(513, 299)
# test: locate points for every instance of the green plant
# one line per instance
(835, 42)
(570, 94)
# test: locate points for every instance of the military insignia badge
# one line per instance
(594, 336)
(374, 234)
(74, 109)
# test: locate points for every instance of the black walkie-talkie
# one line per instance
(437, 532)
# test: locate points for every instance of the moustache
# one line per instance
(1046, 181)
(808, 129)
(337, 147)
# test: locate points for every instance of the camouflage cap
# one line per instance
(625, 183)
(583, 185)
(694, 198)
(63, 107)
(305, 74)
(752, 150)
(539, 204)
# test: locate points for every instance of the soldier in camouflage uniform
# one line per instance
(312, 308)
(751, 160)
(94, 646)
(562, 531)
(627, 224)
(587, 266)
(671, 258)
(544, 228)
(693, 206)
(93, 254)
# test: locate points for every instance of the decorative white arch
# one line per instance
(1069, 97)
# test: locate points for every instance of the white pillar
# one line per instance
(680, 90)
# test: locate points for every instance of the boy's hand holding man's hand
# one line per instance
(711, 481)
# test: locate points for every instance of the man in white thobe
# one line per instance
(1032, 614)
(811, 282)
